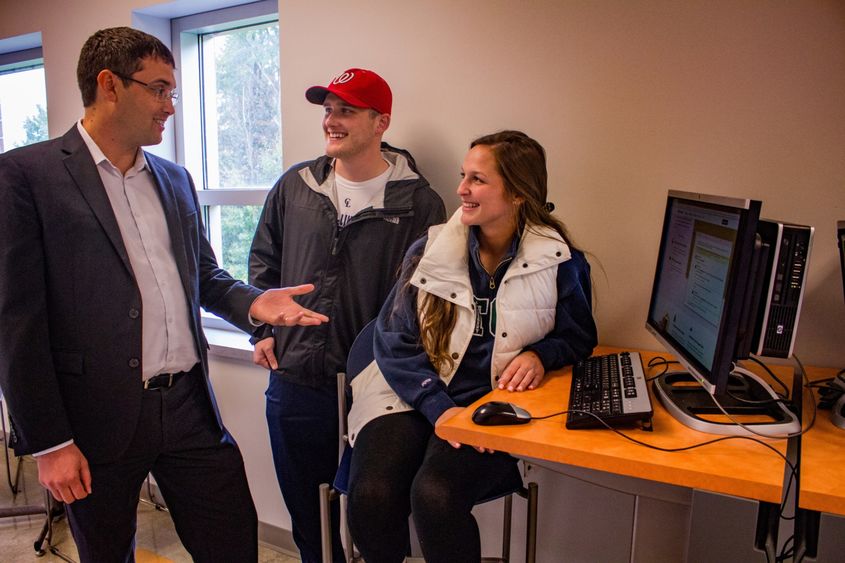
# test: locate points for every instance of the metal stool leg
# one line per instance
(13, 484)
(46, 534)
(47, 531)
(151, 498)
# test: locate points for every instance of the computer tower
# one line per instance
(785, 278)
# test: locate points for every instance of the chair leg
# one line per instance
(531, 529)
(327, 494)
(346, 535)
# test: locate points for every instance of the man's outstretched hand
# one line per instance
(277, 307)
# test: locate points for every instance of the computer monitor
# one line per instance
(840, 239)
(703, 301)
(837, 413)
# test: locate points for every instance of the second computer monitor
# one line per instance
(700, 288)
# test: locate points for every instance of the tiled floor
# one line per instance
(156, 538)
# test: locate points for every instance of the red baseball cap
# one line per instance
(357, 86)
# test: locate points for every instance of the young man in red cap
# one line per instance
(343, 221)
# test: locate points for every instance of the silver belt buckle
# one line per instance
(169, 381)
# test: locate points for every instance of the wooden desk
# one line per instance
(822, 458)
(736, 467)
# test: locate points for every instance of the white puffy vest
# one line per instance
(525, 308)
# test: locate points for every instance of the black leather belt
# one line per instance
(163, 380)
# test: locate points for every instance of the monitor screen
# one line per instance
(699, 290)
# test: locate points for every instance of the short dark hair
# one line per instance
(120, 50)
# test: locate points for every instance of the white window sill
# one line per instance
(228, 344)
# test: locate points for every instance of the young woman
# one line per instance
(497, 296)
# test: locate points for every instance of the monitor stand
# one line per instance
(687, 400)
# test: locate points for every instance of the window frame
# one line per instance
(186, 35)
(22, 60)
(25, 59)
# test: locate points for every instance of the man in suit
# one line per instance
(102, 356)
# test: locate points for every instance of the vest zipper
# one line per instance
(492, 277)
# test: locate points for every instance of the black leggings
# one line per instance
(400, 467)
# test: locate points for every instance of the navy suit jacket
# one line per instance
(70, 308)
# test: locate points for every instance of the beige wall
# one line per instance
(629, 99)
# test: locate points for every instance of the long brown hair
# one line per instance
(521, 161)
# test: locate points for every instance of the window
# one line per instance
(23, 99)
(228, 127)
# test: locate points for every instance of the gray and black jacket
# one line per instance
(353, 268)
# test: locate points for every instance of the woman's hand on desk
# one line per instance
(449, 413)
(525, 371)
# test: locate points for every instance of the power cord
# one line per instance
(788, 550)
(747, 428)
(665, 449)
(757, 360)
(659, 361)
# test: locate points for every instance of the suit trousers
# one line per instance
(304, 439)
(199, 471)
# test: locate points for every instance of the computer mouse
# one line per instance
(837, 413)
(499, 412)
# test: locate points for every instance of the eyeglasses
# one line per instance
(161, 93)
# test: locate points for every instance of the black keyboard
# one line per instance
(612, 387)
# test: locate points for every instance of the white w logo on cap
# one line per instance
(343, 78)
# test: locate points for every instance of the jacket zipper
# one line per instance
(371, 214)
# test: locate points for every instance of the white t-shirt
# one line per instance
(352, 197)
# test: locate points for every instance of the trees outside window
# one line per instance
(247, 115)
(23, 103)
(229, 124)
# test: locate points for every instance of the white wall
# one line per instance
(240, 388)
